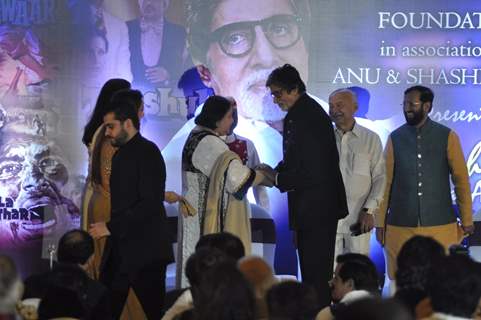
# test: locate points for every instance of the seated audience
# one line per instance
(261, 278)
(221, 293)
(413, 266)
(355, 278)
(292, 300)
(75, 249)
(227, 243)
(198, 263)
(454, 286)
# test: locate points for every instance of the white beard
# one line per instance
(257, 105)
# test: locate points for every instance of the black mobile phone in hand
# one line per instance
(355, 229)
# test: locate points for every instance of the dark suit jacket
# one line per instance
(92, 294)
(173, 45)
(138, 223)
(309, 170)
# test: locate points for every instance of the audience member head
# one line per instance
(261, 278)
(414, 264)
(454, 286)
(216, 115)
(414, 261)
(258, 272)
(133, 96)
(292, 300)
(224, 294)
(354, 257)
(76, 247)
(11, 287)
(419, 251)
(361, 258)
(353, 273)
(103, 100)
(202, 260)
(226, 242)
(374, 309)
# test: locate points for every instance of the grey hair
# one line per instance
(345, 90)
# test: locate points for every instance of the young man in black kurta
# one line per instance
(138, 247)
(309, 172)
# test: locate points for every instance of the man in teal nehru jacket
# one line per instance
(421, 156)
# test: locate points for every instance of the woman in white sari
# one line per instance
(214, 182)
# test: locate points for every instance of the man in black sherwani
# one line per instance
(138, 247)
(310, 173)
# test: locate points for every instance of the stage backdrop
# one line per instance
(56, 54)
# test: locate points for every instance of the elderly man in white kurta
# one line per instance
(363, 171)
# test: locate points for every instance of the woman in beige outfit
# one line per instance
(96, 201)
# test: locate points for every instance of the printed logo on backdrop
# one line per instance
(474, 171)
(164, 103)
(444, 49)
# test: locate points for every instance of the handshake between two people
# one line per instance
(265, 175)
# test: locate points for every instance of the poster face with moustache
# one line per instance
(55, 55)
(39, 188)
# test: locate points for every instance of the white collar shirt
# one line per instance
(363, 170)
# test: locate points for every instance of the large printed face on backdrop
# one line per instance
(251, 38)
(97, 53)
(153, 9)
(32, 174)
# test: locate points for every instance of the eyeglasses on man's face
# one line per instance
(277, 94)
(410, 104)
(237, 39)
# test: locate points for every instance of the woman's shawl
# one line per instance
(224, 211)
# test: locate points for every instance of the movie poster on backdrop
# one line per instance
(39, 190)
